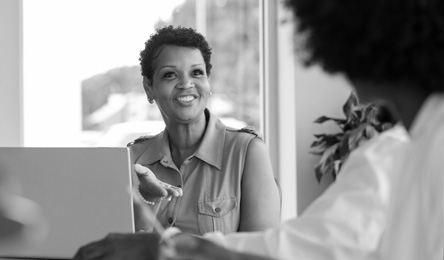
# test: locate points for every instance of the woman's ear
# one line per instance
(148, 87)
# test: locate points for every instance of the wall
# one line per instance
(317, 94)
(11, 114)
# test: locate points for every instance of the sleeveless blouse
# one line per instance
(210, 178)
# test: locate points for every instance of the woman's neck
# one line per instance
(185, 139)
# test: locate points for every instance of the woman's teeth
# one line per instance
(185, 98)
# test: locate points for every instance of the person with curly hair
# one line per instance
(388, 201)
(198, 174)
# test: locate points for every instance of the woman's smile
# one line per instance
(186, 99)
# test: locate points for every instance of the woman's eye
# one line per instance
(198, 72)
(169, 75)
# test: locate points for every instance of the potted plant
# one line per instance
(361, 123)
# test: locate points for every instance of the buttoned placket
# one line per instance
(175, 209)
(174, 204)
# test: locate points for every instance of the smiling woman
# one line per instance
(217, 178)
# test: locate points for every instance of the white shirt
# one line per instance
(387, 203)
(415, 228)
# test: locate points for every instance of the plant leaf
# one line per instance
(319, 146)
(362, 122)
(369, 114)
(325, 140)
(318, 173)
(325, 163)
(337, 168)
(324, 169)
(343, 150)
(322, 119)
(352, 101)
(318, 150)
(356, 136)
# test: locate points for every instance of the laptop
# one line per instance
(83, 194)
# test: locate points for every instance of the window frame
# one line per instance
(279, 94)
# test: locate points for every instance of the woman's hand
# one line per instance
(152, 188)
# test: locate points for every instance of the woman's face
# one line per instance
(180, 84)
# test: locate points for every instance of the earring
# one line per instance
(150, 100)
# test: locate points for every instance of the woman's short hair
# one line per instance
(391, 41)
(177, 36)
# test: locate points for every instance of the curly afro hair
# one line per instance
(390, 41)
(170, 35)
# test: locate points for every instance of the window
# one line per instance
(81, 77)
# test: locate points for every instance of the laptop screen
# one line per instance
(82, 194)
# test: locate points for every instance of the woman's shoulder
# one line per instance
(140, 140)
(144, 141)
(141, 144)
(249, 132)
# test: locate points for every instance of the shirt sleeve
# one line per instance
(345, 222)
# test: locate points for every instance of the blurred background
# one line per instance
(82, 81)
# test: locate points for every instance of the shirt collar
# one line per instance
(210, 149)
